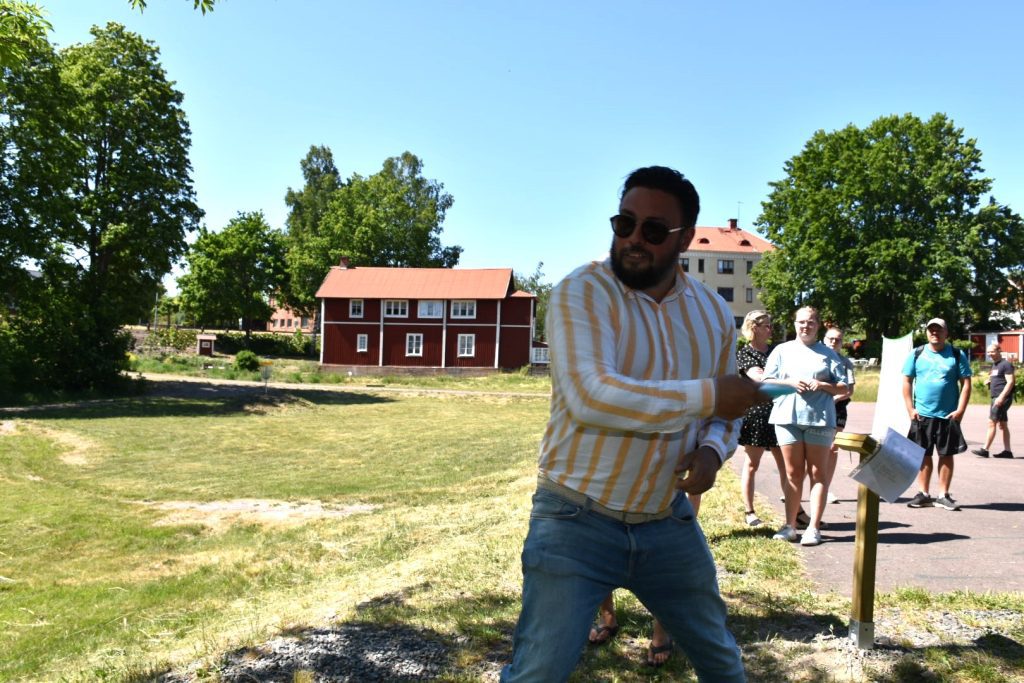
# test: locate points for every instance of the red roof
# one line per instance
(416, 283)
(729, 240)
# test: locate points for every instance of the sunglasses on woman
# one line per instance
(654, 231)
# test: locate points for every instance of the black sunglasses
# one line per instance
(654, 231)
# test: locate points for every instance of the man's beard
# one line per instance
(641, 277)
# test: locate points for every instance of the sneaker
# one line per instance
(1004, 454)
(802, 518)
(811, 537)
(945, 501)
(832, 498)
(921, 500)
(786, 533)
(753, 519)
(980, 452)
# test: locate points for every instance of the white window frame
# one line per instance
(355, 308)
(726, 266)
(396, 308)
(362, 343)
(413, 344)
(463, 308)
(430, 308)
(470, 344)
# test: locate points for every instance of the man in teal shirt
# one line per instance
(936, 389)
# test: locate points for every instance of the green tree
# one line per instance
(22, 29)
(534, 284)
(881, 228)
(308, 248)
(232, 273)
(391, 218)
(97, 194)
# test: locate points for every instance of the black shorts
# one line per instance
(939, 434)
(998, 413)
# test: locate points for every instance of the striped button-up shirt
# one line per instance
(632, 387)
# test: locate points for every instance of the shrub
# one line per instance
(247, 360)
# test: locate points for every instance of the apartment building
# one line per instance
(722, 258)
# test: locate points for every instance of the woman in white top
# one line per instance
(805, 421)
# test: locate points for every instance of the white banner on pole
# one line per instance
(890, 410)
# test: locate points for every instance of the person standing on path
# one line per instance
(1000, 381)
(834, 340)
(936, 390)
(756, 435)
(645, 407)
(805, 421)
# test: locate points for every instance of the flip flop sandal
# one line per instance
(653, 650)
(599, 630)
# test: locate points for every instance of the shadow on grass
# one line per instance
(187, 399)
(390, 639)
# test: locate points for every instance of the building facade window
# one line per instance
(738, 321)
(431, 308)
(700, 265)
(725, 266)
(750, 295)
(362, 343)
(463, 308)
(725, 293)
(467, 345)
(750, 266)
(414, 344)
(685, 262)
(355, 308)
(396, 308)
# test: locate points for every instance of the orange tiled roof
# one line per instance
(734, 240)
(416, 283)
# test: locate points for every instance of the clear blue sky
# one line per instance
(532, 112)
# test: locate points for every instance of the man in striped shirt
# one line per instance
(645, 406)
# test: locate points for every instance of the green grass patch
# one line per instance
(147, 533)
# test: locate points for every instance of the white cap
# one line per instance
(936, 321)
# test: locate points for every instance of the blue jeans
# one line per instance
(574, 557)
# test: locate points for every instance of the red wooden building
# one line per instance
(424, 317)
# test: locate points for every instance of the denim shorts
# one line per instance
(818, 436)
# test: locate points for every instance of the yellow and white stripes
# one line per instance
(631, 386)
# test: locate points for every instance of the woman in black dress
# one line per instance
(756, 434)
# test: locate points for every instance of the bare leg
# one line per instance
(924, 477)
(605, 617)
(793, 454)
(945, 473)
(990, 435)
(659, 638)
(819, 473)
(1004, 427)
(753, 461)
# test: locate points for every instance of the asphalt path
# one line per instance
(979, 548)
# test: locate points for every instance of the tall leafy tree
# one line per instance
(308, 247)
(535, 284)
(98, 196)
(391, 218)
(883, 227)
(233, 272)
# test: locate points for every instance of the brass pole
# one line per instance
(862, 626)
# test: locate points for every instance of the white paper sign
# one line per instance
(892, 468)
(890, 409)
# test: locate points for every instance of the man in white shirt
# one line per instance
(645, 407)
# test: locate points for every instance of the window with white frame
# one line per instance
(431, 308)
(355, 308)
(396, 308)
(725, 266)
(464, 308)
(414, 344)
(467, 345)
(362, 343)
(750, 295)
